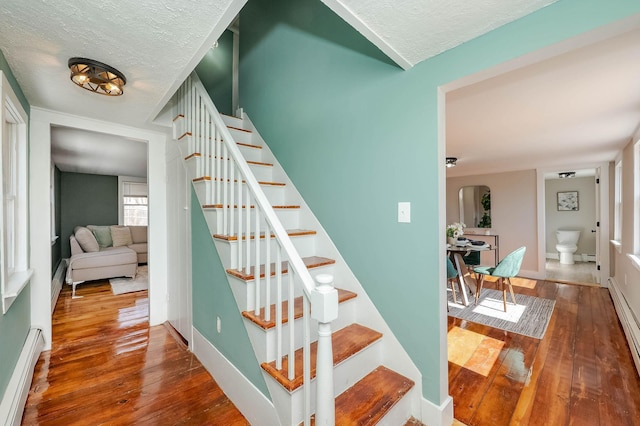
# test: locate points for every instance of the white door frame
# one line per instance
(41, 121)
(602, 212)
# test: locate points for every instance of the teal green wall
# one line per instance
(353, 131)
(15, 324)
(212, 297)
(215, 72)
(86, 199)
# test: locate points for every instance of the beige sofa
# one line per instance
(100, 252)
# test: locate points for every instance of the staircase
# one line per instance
(326, 353)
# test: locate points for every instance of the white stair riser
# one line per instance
(348, 372)
(249, 153)
(215, 219)
(241, 136)
(304, 244)
(232, 121)
(204, 190)
(195, 169)
(178, 127)
(244, 291)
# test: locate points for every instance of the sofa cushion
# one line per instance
(102, 234)
(138, 248)
(109, 257)
(138, 234)
(121, 236)
(86, 239)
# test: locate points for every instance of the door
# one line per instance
(597, 225)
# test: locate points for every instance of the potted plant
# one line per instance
(454, 231)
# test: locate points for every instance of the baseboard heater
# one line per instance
(15, 396)
(628, 320)
(57, 281)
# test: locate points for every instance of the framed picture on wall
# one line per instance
(568, 201)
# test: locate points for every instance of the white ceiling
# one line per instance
(586, 99)
(581, 107)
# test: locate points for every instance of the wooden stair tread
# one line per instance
(235, 206)
(367, 401)
(414, 422)
(346, 342)
(259, 320)
(290, 232)
(238, 128)
(310, 262)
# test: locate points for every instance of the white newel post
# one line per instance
(324, 309)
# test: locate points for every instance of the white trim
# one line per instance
(252, 403)
(15, 396)
(41, 121)
(57, 282)
(437, 415)
(635, 260)
(617, 245)
(629, 323)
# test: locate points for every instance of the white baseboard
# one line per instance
(437, 415)
(15, 396)
(57, 282)
(252, 403)
(628, 321)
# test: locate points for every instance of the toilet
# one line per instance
(567, 244)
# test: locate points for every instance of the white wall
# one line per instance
(513, 212)
(41, 121)
(583, 219)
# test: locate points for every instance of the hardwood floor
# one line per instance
(580, 373)
(107, 366)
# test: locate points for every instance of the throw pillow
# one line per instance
(102, 234)
(86, 239)
(121, 236)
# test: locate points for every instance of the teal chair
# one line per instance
(452, 274)
(504, 270)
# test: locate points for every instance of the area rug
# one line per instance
(129, 285)
(529, 317)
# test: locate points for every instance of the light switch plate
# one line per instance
(404, 212)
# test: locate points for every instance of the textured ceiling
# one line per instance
(150, 41)
(410, 31)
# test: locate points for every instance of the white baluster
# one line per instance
(291, 313)
(306, 359)
(257, 267)
(225, 198)
(240, 222)
(232, 193)
(247, 260)
(324, 300)
(267, 274)
(278, 308)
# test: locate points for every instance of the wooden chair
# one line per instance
(504, 270)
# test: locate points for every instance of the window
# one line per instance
(617, 207)
(14, 271)
(134, 203)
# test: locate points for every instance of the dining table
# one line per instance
(456, 252)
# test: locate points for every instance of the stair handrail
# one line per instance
(261, 199)
(322, 299)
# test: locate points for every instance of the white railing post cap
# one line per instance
(324, 300)
(324, 279)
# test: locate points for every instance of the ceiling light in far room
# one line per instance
(97, 77)
(451, 161)
(564, 175)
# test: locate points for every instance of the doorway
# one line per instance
(571, 233)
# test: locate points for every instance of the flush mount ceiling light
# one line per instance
(451, 161)
(564, 175)
(96, 76)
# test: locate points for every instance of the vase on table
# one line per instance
(452, 241)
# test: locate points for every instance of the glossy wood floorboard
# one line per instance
(580, 373)
(107, 366)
